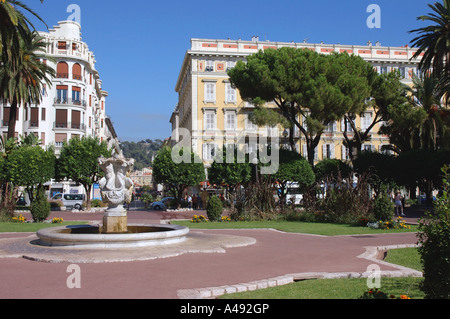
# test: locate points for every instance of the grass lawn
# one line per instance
(295, 227)
(346, 288)
(333, 289)
(31, 228)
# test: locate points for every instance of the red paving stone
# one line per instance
(274, 254)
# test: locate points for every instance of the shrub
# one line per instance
(98, 203)
(214, 208)
(383, 207)
(434, 237)
(40, 208)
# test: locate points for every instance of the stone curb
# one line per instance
(370, 254)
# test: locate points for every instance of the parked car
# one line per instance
(70, 200)
(161, 205)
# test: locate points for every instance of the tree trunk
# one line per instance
(88, 189)
(12, 119)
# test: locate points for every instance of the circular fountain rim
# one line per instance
(55, 237)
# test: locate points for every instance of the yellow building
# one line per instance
(210, 112)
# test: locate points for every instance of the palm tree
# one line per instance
(21, 82)
(427, 94)
(434, 40)
(13, 26)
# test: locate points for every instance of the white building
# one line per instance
(75, 104)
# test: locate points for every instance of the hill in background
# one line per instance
(142, 152)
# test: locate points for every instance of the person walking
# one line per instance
(399, 204)
(195, 202)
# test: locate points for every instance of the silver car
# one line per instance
(70, 200)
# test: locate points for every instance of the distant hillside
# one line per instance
(142, 152)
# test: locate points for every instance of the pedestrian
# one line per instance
(399, 204)
(189, 201)
(195, 202)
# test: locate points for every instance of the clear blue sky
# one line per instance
(140, 45)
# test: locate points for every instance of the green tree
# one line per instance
(404, 122)
(229, 174)
(292, 168)
(31, 166)
(177, 177)
(386, 91)
(328, 168)
(78, 161)
(304, 84)
(21, 81)
(380, 168)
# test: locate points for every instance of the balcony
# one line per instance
(80, 103)
(67, 76)
(69, 126)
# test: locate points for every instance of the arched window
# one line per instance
(76, 71)
(62, 70)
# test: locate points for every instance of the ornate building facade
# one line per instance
(75, 104)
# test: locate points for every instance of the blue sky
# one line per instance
(140, 45)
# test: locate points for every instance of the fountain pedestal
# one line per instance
(115, 223)
(116, 189)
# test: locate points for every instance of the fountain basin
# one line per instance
(87, 236)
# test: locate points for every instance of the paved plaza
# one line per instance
(238, 260)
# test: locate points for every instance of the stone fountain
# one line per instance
(116, 189)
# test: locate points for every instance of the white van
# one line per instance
(70, 200)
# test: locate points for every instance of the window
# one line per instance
(62, 70)
(328, 151)
(209, 151)
(76, 72)
(402, 70)
(62, 45)
(76, 98)
(230, 93)
(209, 66)
(366, 121)
(210, 92)
(345, 153)
(349, 126)
(305, 152)
(249, 125)
(383, 70)
(61, 119)
(34, 118)
(230, 121)
(210, 121)
(230, 65)
(331, 127)
(61, 94)
(368, 148)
